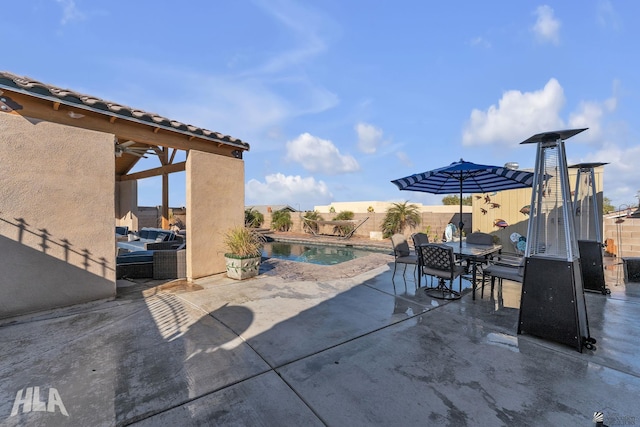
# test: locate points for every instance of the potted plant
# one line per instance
(244, 247)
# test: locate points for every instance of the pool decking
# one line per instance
(350, 348)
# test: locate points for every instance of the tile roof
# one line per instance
(41, 90)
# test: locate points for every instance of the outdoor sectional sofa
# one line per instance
(162, 260)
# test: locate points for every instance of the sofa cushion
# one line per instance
(135, 257)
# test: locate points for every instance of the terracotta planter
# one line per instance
(241, 268)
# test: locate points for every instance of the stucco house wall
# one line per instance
(215, 203)
(47, 171)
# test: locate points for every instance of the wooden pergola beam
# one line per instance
(164, 159)
(29, 106)
(162, 170)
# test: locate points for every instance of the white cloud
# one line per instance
(369, 137)
(607, 16)
(517, 116)
(404, 158)
(320, 155)
(238, 102)
(256, 93)
(247, 108)
(480, 42)
(621, 175)
(589, 115)
(520, 115)
(547, 27)
(70, 11)
(291, 190)
(305, 25)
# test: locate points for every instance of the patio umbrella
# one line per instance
(465, 177)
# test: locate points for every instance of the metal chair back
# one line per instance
(402, 254)
(400, 245)
(419, 239)
(437, 259)
(478, 238)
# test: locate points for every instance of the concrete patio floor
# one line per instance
(340, 352)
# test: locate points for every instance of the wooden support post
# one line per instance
(164, 159)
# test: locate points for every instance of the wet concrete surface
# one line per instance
(347, 348)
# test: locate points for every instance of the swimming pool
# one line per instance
(313, 254)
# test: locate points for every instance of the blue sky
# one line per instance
(339, 97)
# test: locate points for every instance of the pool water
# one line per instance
(313, 254)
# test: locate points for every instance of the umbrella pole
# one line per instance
(460, 223)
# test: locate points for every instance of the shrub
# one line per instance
(253, 218)
(398, 217)
(314, 216)
(281, 220)
(243, 242)
(343, 230)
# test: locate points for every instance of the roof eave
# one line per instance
(82, 106)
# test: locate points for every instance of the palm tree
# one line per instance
(281, 220)
(343, 230)
(607, 207)
(253, 218)
(398, 217)
(313, 216)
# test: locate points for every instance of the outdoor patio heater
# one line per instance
(553, 304)
(587, 213)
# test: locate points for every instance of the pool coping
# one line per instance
(382, 247)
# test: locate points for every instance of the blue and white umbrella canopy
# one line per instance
(464, 178)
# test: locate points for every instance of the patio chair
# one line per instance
(478, 238)
(402, 254)
(419, 239)
(438, 260)
(504, 268)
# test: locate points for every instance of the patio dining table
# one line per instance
(473, 253)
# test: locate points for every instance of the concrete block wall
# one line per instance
(151, 216)
(622, 236)
(432, 223)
